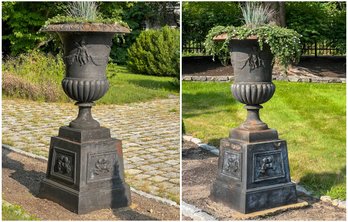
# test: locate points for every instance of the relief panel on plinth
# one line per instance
(268, 165)
(102, 166)
(232, 164)
(63, 164)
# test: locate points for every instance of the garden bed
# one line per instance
(332, 67)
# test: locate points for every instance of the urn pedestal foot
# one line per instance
(84, 119)
(85, 171)
(253, 176)
(253, 135)
(253, 121)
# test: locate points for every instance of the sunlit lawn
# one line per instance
(127, 87)
(310, 116)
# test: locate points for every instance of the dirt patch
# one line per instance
(21, 178)
(321, 67)
(199, 169)
(308, 66)
(204, 66)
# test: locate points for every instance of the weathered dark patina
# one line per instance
(85, 165)
(253, 170)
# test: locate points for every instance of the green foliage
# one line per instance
(22, 21)
(86, 10)
(256, 14)
(135, 14)
(337, 33)
(284, 43)
(156, 52)
(318, 21)
(38, 76)
(311, 117)
(199, 17)
(83, 12)
(36, 67)
(15, 212)
(315, 21)
(34, 76)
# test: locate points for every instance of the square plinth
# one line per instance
(253, 176)
(85, 173)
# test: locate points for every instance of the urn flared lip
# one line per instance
(223, 37)
(85, 27)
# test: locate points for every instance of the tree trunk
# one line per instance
(279, 16)
(282, 14)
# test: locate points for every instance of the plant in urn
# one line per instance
(253, 164)
(85, 168)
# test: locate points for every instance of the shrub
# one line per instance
(18, 87)
(35, 76)
(319, 21)
(156, 52)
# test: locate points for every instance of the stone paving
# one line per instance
(150, 133)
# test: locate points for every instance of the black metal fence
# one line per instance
(323, 48)
(193, 47)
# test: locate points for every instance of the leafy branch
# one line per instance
(284, 43)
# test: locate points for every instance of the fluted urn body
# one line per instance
(86, 56)
(86, 52)
(253, 78)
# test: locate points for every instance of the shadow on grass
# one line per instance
(156, 85)
(206, 103)
(321, 183)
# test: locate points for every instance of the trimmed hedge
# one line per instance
(156, 52)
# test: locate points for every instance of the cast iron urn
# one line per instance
(85, 165)
(253, 168)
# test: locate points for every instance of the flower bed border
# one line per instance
(274, 77)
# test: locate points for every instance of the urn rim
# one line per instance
(85, 27)
(223, 37)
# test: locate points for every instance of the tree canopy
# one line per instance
(315, 21)
(22, 21)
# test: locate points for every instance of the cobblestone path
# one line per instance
(149, 132)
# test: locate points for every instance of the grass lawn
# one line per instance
(127, 87)
(310, 116)
(14, 212)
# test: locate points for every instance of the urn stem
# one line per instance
(253, 121)
(84, 119)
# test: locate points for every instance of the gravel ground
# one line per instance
(21, 178)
